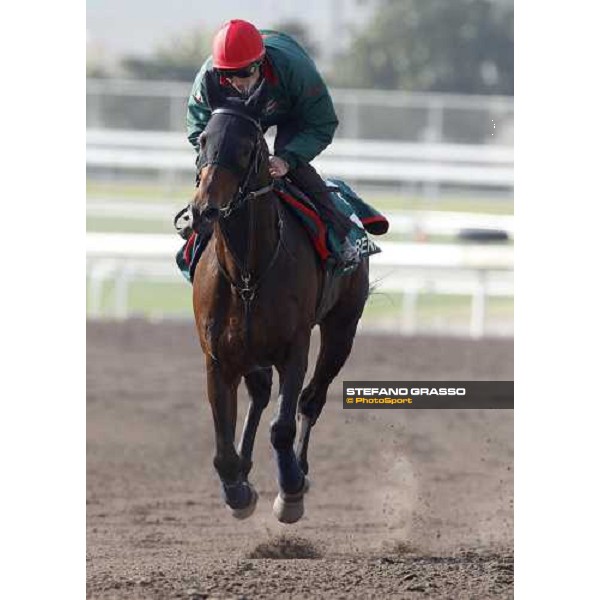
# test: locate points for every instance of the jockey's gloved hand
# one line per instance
(277, 166)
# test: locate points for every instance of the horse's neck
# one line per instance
(251, 234)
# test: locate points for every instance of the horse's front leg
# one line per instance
(289, 504)
(259, 387)
(240, 496)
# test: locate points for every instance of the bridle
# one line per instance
(250, 284)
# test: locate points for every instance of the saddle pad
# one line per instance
(189, 254)
(324, 239)
(373, 221)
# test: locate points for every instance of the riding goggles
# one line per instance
(242, 73)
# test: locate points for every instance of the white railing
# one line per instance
(166, 140)
(385, 114)
(409, 268)
(354, 160)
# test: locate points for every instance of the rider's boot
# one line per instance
(349, 253)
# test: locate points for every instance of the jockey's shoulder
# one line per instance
(282, 41)
(283, 49)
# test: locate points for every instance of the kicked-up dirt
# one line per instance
(403, 503)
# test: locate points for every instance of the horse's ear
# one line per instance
(258, 98)
(214, 94)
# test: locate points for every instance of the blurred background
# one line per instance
(424, 93)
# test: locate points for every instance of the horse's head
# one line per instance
(233, 152)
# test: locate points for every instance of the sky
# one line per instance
(117, 27)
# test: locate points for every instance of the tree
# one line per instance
(461, 46)
(178, 60)
(95, 59)
(95, 70)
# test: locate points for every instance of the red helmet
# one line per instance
(236, 45)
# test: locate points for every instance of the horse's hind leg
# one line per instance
(259, 387)
(337, 337)
(240, 496)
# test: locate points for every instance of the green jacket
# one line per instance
(297, 94)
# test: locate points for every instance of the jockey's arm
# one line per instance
(315, 112)
(198, 111)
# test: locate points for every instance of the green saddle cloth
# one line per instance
(365, 217)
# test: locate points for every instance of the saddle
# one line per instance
(366, 220)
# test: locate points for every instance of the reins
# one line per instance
(250, 284)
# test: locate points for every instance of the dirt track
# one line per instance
(411, 504)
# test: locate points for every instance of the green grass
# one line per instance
(122, 225)
(136, 192)
(156, 194)
(450, 203)
(175, 299)
(432, 307)
(151, 299)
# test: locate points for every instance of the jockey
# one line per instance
(298, 104)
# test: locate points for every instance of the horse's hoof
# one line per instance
(289, 508)
(244, 513)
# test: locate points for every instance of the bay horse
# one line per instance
(256, 291)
